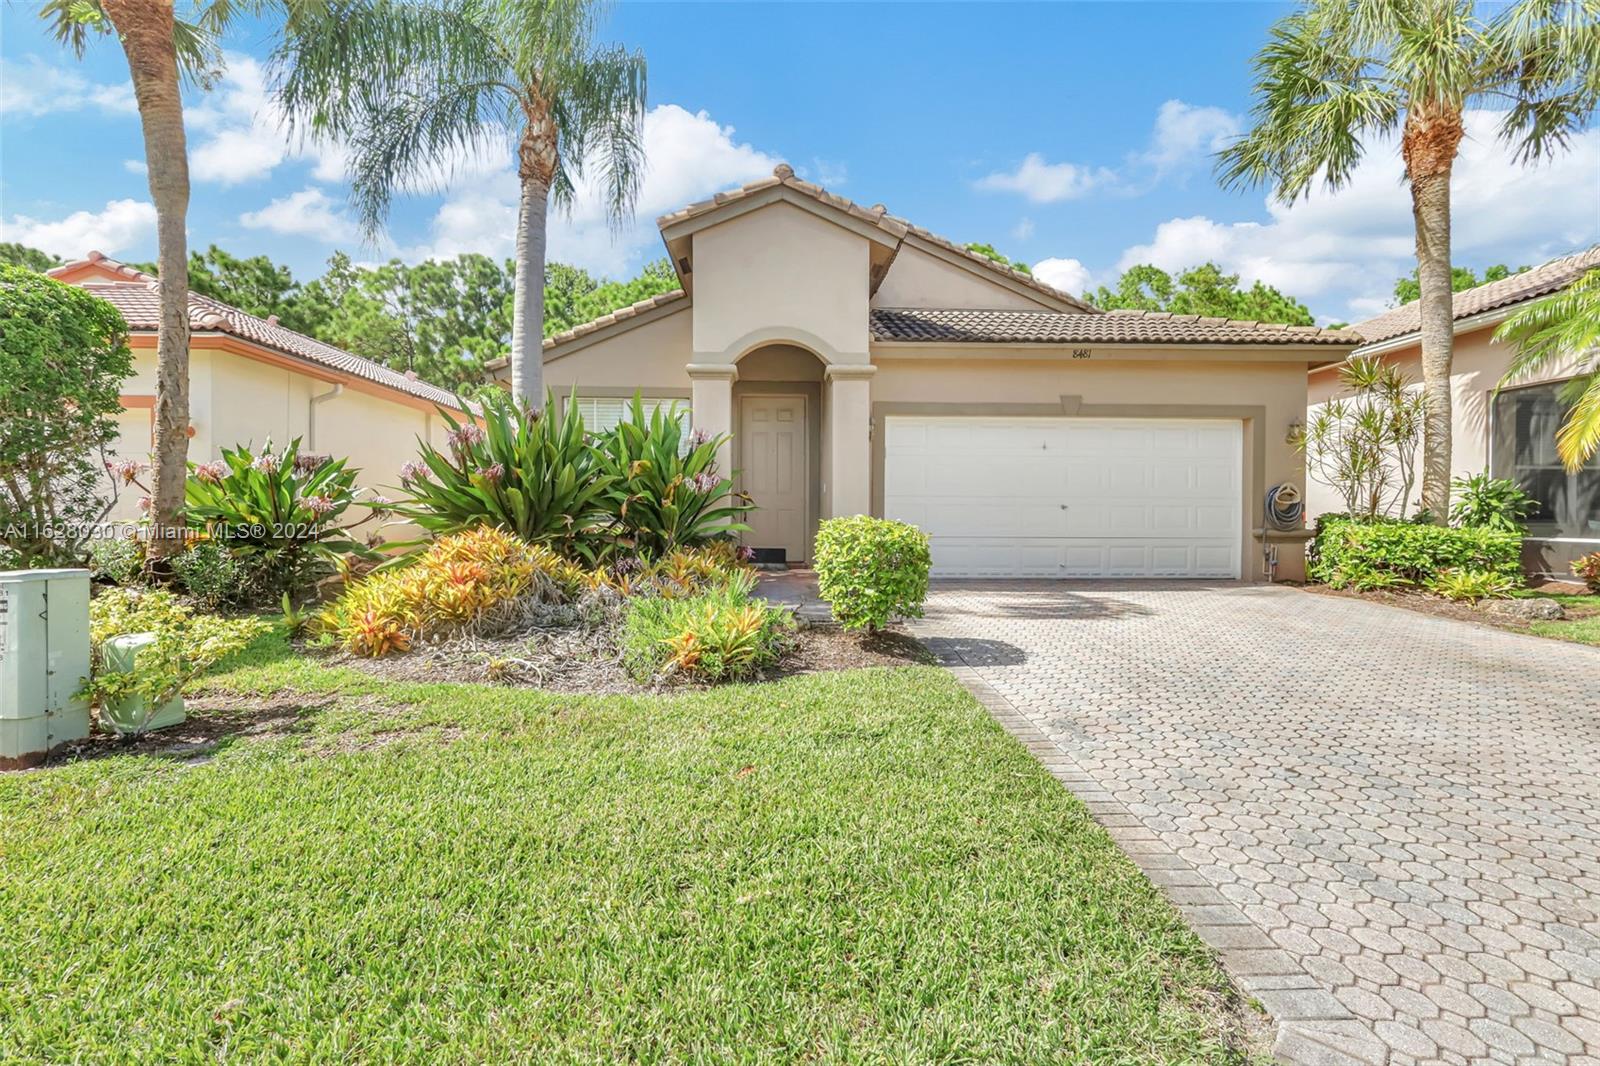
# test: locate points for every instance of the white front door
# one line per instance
(1070, 497)
(773, 470)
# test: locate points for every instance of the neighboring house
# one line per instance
(864, 365)
(251, 379)
(1509, 433)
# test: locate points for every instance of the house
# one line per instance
(1508, 432)
(865, 365)
(251, 379)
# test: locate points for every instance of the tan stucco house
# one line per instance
(865, 365)
(1510, 432)
(251, 379)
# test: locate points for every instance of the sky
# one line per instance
(1075, 136)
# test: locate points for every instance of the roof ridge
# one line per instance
(101, 259)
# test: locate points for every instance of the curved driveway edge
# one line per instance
(1382, 821)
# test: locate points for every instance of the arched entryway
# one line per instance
(778, 420)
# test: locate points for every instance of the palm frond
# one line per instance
(1578, 439)
(1545, 56)
(600, 120)
(73, 23)
(1557, 327)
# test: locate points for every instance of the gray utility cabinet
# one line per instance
(44, 659)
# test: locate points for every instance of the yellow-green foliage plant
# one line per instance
(451, 587)
(872, 570)
(187, 644)
(719, 635)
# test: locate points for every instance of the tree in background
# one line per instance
(20, 255)
(1560, 326)
(411, 86)
(990, 252)
(1461, 279)
(63, 358)
(1202, 290)
(1338, 74)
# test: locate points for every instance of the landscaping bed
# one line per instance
(1580, 624)
(843, 866)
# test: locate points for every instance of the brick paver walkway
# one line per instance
(1387, 823)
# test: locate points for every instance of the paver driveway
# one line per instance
(1389, 823)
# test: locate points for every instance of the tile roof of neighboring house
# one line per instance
(138, 296)
(963, 326)
(1540, 281)
(876, 215)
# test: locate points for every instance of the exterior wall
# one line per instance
(237, 400)
(1477, 366)
(1267, 396)
(780, 274)
(917, 279)
(650, 357)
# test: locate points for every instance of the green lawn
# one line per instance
(1582, 623)
(854, 867)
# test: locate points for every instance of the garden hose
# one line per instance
(1284, 508)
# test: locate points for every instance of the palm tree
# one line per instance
(1557, 327)
(413, 85)
(1338, 72)
(161, 50)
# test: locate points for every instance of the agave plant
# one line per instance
(666, 490)
(529, 472)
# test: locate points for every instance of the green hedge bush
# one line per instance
(872, 570)
(1380, 554)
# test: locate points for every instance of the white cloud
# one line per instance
(1068, 275)
(307, 213)
(829, 175)
(688, 156)
(238, 133)
(135, 166)
(1047, 183)
(32, 87)
(1185, 134)
(122, 224)
(1023, 229)
(1340, 252)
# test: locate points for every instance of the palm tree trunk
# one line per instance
(145, 28)
(536, 167)
(1429, 145)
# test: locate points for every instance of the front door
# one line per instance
(772, 465)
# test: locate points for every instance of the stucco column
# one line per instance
(850, 438)
(711, 405)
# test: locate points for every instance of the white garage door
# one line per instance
(1069, 497)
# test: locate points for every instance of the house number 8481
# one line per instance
(1080, 353)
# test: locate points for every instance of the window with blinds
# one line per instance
(601, 414)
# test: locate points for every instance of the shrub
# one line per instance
(1364, 445)
(685, 572)
(1471, 585)
(720, 635)
(211, 574)
(872, 570)
(1587, 567)
(63, 357)
(464, 582)
(1347, 552)
(187, 645)
(116, 560)
(1484, 502)
(528, 472)
(666, 491)
(279, 512)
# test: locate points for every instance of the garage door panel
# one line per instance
(1143, 498)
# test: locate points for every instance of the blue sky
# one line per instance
(1074, 136)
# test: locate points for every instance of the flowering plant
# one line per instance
(667, 491)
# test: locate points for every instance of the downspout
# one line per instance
(311, 416)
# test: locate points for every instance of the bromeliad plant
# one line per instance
(281, 511)
(523, 470)
(666, 491)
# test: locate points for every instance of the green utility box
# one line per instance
(134, 714)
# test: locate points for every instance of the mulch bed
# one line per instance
(1426, 603)
(586, 660)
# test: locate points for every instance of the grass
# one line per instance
(1582, 624)
(854, 867)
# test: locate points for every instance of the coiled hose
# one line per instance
(1284, 508)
